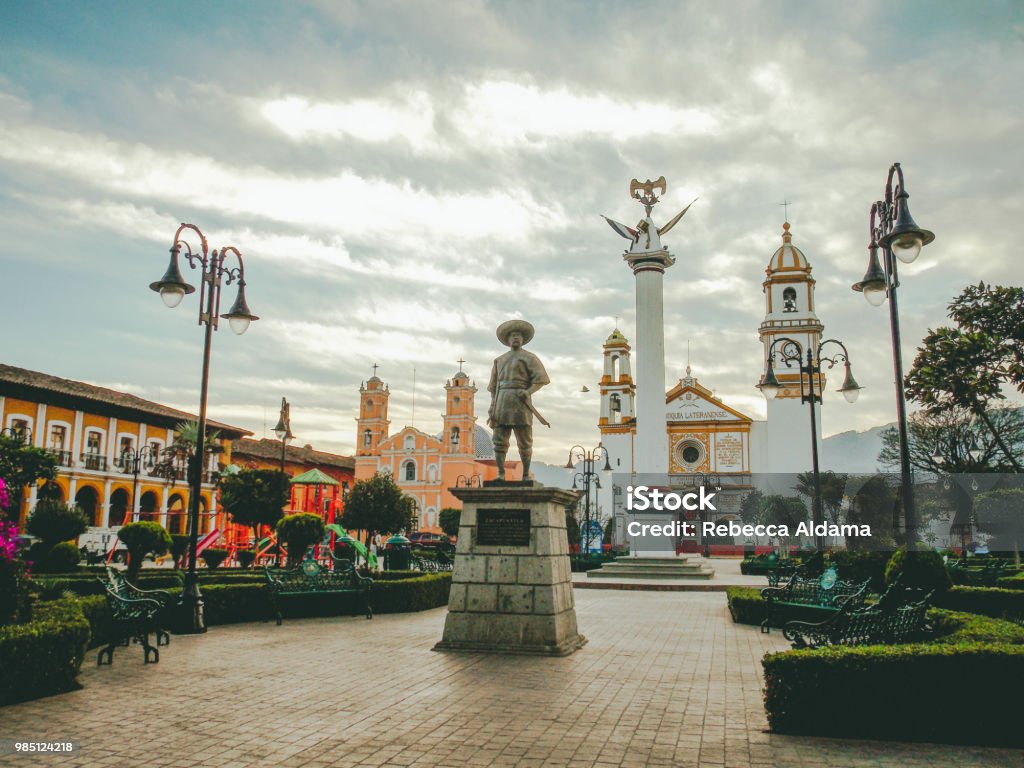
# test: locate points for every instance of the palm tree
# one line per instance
(177, 454)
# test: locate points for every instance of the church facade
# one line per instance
(707, 441)
(425, 466)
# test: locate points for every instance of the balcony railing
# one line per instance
(93, 461)
(63, 457)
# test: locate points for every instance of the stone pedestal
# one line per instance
(512, 583)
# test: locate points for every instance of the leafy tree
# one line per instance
(833, 491)
(872, 502)
(20, 465)
(775, 509)
(572, 526)
(1001, 513)
(54, 522)
(300, 532)
(449, 520)
(377, 504)
(184, 447)
(255, 497)
(141, 539)
(750, 507)
(968, 366)
(942, 441)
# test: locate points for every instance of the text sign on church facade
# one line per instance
(698, 413)
(503, 527)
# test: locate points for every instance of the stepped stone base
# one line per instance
(653, 568)
(512, 597)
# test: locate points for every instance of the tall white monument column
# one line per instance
(649, 259)
(651, 438)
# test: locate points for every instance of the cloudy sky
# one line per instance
(402, 177)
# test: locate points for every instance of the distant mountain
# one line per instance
(853, 451)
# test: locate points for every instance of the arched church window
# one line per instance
(367, 437)
(616, 404)
(455, 436)
(409, 470)
(455, 401)
(410, 442)
(789, 300)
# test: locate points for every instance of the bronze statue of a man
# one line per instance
(515, 376)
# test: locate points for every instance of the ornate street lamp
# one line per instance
(283, 430)
(172, 289)
(131, 463)
(893, 229)
(585, 478)
(790, 352)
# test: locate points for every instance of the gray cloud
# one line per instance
(424, 167)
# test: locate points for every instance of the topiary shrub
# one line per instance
(142, 539)
(860, 566)
(245, 557)
(63, 558)
(300, 532)
(920, 569)
(54, 521)
(213, 557)
(179, 547)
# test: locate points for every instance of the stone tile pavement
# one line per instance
(666, 680)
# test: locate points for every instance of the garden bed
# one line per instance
(904, 692)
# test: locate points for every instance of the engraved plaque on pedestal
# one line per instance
(503, 527)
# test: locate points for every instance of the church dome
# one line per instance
(616, 339)
(460, 377)
(788, 258)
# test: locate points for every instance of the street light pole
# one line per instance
(131, 462)
(791, 352)
(893, 229)
(172, 289)
(577, 455)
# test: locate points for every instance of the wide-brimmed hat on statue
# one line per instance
(509, 326)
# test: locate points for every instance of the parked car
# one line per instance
(426, 540)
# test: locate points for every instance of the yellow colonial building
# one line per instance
(107, 445)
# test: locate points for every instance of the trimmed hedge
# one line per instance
(416, 594)
(237, 603)
(746, 605)
(902, 691)
(1011, 582)
(988, 601)
(43, 656)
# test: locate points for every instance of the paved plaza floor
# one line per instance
(666, 680)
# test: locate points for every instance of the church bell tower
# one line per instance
(789, 313)
(372, 424)
(459, 418)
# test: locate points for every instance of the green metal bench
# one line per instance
(120, 586)
(825, 593)
(900, 616)
(310, 578)
(133, 619)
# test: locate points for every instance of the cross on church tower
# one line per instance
(785, 205)
(375, 367)
(460, 361)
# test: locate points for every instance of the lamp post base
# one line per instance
(191, 617)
